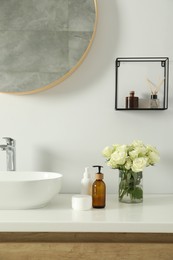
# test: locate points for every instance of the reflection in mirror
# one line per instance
(43, 41)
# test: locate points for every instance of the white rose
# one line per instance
(142, 150)
(116, 146)
(133, 154)
(137, 143)
(139, 164)
(153, 158)
(107, 152)
(151, 149)
(128, 164)
(119, 157)
(122, 148)
(112, 164)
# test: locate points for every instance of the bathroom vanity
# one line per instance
(120, 231)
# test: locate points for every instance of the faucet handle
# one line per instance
(9, 141)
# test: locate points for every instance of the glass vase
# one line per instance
(130, 187)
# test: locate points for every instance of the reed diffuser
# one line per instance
(154, 88)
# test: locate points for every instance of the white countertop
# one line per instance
(154, 215)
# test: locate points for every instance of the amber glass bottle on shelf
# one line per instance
(99, 190)
(132, 101)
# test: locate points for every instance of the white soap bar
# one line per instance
(81, 202)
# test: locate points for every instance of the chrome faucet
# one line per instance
(10, 148)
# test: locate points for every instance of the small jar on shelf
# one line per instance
(154, 101)
(132, 101)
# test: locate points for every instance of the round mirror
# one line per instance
(43, 41)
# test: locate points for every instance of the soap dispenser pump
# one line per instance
(99, 190)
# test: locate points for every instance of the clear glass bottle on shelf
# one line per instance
(154, 101)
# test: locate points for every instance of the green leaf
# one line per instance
(135, 176)
(137, 193)
(128, 176)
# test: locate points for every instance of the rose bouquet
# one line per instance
(131, 161)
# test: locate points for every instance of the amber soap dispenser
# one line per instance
(99, 190)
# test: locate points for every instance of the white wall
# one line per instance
(65, 128)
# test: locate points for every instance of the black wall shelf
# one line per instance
(147, 77)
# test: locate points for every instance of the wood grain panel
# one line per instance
(85, 251)
(86, 237)
(84, 246)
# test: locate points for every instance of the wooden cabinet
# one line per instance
(85, 246)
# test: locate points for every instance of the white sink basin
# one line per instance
(28, 190)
